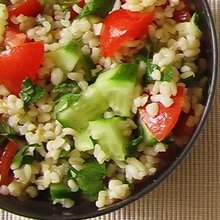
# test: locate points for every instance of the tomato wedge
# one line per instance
(25, 7)
(181, 128)
(13, 37)
(161, 125)
(6, 160)
(121, 26)
(73, 13)
(183, 14)
(20, 62)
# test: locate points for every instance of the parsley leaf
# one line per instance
(150, 67)
(65, 101)
(60, 191)
(30, 92)
(65, 5)
(21, 156)
(198, 19)
(64, 88)
(90, 178)
(167, 73)
(100, 7)
(138, 138)
(7, 131)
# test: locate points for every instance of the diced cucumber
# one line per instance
(66, 57)
(60, 191)
(89, 107)
(65, 102)
(110, 137)
(83, 141)
(94, 19)
(148, 138)
(185, 28)
(117, 87)
(85, 63)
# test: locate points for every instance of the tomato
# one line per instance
(183, 14)
(25, 7)
(161, 125)
(20, 62)
(181, 128)
(13, 37)
(121, 26)
(6, 160)
(73, 13)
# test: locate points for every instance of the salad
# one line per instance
(94, 94)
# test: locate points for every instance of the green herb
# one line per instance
(37, 156)
(197, 19)
(28, 159)
(65, 5)
(100, 7)
(87, 65)
(65, 101)
(21, 156)
(90, 178)
(150, 68)
(64, 88)
(30, 92)
(3, 141)
(167, 73)
(65, 154)
(138, 138)
(140, 57)
(193, 80)
(7, 131)
(70, 141)
(59, 191)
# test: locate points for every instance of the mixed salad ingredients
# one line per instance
(94, 94)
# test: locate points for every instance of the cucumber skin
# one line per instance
(60, 191)
(110, 137)
(148, 138)
(66, 57)
(117, 87)
(89, 107)
(113, 88)
(83, 141)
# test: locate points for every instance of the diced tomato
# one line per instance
(183, 14)
(20, 62)
(25, 7)
(181, 128)
(120, 27)
(13, 37)
(6, 160)
(73, 13)
(162, 124)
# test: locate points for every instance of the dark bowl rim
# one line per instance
(197, 133)
(176, 162)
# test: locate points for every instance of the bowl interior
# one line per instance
(46, 210)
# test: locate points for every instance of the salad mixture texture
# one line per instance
(95, 94)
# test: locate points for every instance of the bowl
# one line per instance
(40, 209)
